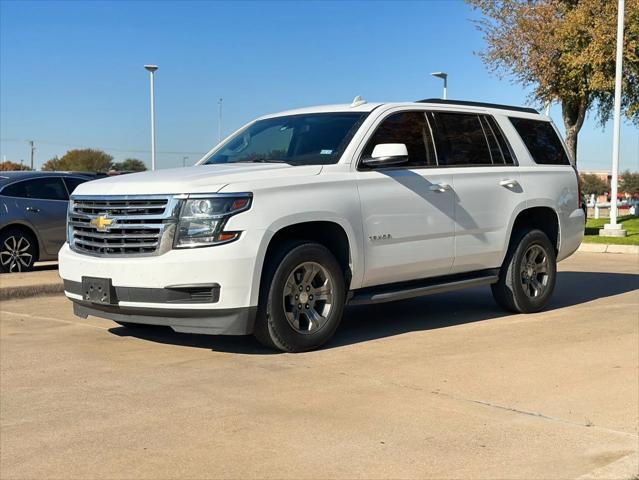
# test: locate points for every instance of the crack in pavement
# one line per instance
(533, 414)
(501, 407)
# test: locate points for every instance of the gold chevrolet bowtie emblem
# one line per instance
(101, 223)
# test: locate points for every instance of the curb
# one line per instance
(12, 293)
(608, 248)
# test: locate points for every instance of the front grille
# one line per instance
(121, 226)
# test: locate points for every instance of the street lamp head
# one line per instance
(439, 74)
(151, 68)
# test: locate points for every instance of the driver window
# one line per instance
(411, 129)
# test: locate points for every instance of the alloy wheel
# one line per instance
(308, 297)
(534, 271)
(15, 255)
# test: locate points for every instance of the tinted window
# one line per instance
(49, 188)
(460, 139)
(73, 182)
(541, 140)
(504, 147)
(495, 151)
(411, 129)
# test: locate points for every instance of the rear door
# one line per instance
(486, 186)
(407, 211)
(43, 204)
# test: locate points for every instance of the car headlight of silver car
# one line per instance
(203, 218)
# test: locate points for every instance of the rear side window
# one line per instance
(411, 129)
(493, 129)
(541, 140)
(73, 182)
(461, 140)
(49, 188)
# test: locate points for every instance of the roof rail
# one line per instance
(478, 104)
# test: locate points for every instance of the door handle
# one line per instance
(509, 183)
(439, 187)
(33, 209)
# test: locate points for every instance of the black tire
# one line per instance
(516, 289)
(18, 250)
(274, 323)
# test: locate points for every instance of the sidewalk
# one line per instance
(608, 248)
(44, 280)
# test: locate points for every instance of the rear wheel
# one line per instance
(528, 275)
(302, 300)
(18, 250)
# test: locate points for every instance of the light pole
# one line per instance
(219, 120)
(613, 229)
(444, 77)
(151, 69)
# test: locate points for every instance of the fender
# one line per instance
(354, 243)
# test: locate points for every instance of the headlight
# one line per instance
(202, 219)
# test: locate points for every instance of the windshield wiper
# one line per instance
(261, 160)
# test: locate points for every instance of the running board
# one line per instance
(391, 293)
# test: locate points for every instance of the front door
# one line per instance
(407, 212)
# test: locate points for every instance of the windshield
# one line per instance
(311, 139)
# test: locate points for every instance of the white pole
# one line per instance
(152, 122)
(445, 87)
(219, 121)
(617, 116)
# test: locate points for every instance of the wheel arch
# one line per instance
(542, 217)
(333, 234)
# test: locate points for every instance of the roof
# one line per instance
(369, 107)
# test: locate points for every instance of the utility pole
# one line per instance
(31, 143)
(219, 120)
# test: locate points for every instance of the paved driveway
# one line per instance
(446, 386)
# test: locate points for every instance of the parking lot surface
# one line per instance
(447, 386)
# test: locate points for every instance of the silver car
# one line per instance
(33, 208)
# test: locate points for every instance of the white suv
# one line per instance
(297, 214)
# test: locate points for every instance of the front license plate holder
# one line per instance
(98, 290)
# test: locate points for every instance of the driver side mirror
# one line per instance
(387, 155)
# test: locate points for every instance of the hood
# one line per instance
(197, 179)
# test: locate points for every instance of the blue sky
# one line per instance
(71, 73)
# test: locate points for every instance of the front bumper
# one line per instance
(151, 290)
(233, 321)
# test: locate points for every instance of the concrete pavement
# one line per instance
(447, 386)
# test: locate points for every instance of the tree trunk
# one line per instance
(574, 113)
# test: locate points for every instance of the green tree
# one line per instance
(593, 184)
(130, 165)
(84, 160)
(565, 51)
(12, 166)
(629, 183)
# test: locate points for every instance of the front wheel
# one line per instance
(302, 299)
(528, 275)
